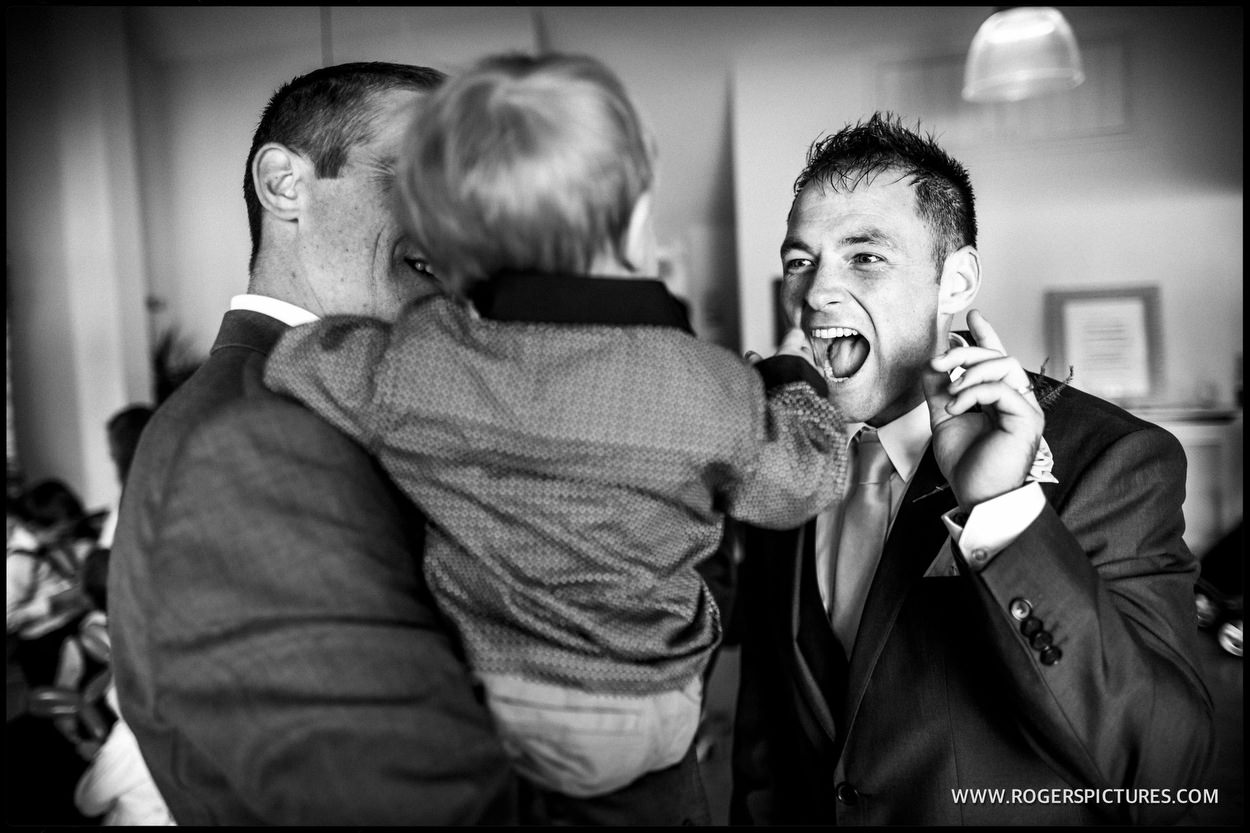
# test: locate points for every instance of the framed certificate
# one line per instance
(1110, 338)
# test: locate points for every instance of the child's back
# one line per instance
(573, 445)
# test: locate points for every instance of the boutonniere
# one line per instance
(1043, 464)
(936, 490)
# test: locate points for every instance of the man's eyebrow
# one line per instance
(384, 166)
(868, 235)
(791, 243)
(872, 235)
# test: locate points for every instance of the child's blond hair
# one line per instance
(523, 163)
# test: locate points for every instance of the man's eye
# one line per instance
(866, 258)
(796, 264)
(419, 266)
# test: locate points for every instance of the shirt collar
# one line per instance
(576, 299)
(285, 312)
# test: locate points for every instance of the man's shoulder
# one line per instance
(229, 446)
(224, 405)
(254, 411)
(1088, 422)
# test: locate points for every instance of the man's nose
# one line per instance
(827, 287)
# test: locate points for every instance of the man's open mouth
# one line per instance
(840, 351)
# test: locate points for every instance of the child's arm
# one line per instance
(799, 464)
(330, 367)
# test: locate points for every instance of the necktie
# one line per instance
(864, 523)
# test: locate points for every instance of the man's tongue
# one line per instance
(845, 356)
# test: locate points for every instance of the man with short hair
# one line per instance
(1003, 606)
(276, 650)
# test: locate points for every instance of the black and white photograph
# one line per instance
(624, 416)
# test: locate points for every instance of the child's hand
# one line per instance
(795, 343)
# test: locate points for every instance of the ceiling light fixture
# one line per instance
(1021, 52)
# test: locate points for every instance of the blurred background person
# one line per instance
(47, 740)
(124, 429)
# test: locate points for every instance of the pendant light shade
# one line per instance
(1022, 52)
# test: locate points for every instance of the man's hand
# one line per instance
(988, 453)
(795, 343)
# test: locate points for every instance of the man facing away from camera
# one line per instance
(276, 650)
(997, 626)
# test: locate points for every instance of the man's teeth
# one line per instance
(841, 353)
(834, 332)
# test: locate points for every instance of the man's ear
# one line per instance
(278, 175)
(960, 281)
(639, 248)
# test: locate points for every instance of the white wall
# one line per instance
(75, 264)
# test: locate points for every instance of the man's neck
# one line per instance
(268, 285)
(277, 274)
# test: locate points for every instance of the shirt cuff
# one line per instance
(994, 525)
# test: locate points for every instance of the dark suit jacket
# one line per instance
(276, 650)
(944, 692)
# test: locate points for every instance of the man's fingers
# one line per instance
(964, 357)
(1003, 369)
(937, 395)
(1005, 399)
(985, 373)
(983, 332)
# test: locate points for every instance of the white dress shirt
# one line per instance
(285, 312)
(991, 525)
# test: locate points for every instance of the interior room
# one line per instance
(1113, 204)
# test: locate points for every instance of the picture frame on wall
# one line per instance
(1110, 338)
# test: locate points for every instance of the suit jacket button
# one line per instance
(1051, 655)
(1020, 609)
(1041, 640)
(847, 794)
(1030, 626)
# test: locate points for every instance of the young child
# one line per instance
(574, 446)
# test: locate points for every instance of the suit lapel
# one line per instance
(252, 330)
(915, 538)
